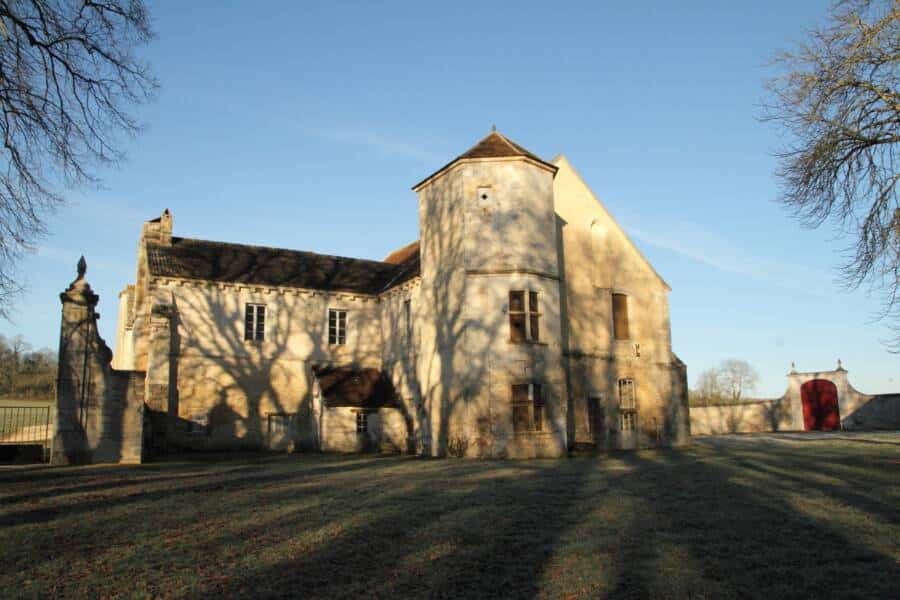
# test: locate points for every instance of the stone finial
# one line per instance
(493, 127)
(840, 366)
(80, 290)
(793, 367)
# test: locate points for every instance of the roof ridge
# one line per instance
(479, 142)
(286, 250)
(514, 146)
(493, 146)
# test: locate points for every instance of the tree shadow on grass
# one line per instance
(209, 481)
(746, 535)
(477, 533)
(706, 522)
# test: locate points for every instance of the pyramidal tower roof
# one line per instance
(493, 145)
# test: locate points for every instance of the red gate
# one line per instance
(820, 405)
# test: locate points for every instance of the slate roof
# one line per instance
(238, 263)
(493, 145)
(363, 388)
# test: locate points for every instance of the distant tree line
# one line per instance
(726, 384)
(26, 373)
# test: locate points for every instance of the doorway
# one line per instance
(820, 405)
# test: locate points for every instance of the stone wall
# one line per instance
(99, 409)
(387, 431)
(879, 411)
(600, 260)
(858, 411)
(746, 417)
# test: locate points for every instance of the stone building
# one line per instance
(521, 323)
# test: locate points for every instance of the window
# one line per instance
(484, 198)
(362, 421)
(337, 326)
(620, 316)
(627, 420)
(279, 425)
(407, 316)
(524, 321)
(627, 405)
(626, 394)
(197, 424)
(255, 323)
(537, 401)
(527, 407)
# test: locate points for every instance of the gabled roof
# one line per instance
(493, 145)
(561, 159)
(238, 263)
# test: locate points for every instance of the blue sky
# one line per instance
(304, 125)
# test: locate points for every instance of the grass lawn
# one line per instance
(745, 516)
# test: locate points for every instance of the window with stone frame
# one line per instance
(254, 322)
(524, 317)
(337, 326)
(620, 317)
(627, 405)
(527, 407)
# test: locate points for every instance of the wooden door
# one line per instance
(820, 405)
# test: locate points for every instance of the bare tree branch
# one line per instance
(838, 96)
(68, 77)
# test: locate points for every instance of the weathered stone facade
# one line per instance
(495, 329)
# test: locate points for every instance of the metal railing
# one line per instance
(25, 425)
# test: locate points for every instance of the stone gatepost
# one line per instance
(76, 343)
(99, 409)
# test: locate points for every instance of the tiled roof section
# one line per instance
(493, 145)
(238, 263)
(363, 388)
(401, 255)
(496, 145)
(409, 265)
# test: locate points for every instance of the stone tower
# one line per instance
(490, 273)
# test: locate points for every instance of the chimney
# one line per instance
(159, 230)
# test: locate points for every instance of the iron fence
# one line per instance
(25, 425)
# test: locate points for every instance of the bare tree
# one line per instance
(725, 384)
(68, 77)
(708, 389)
(838, 96)
(737, 377)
